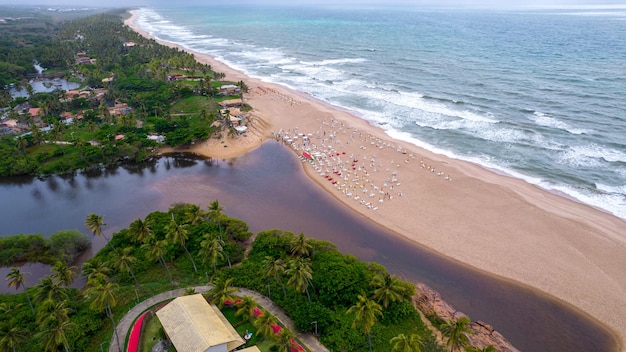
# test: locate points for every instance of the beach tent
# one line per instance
(241, 129)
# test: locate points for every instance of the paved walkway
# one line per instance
(124, 325)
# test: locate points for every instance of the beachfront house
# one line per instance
(193, 325)
(229, 89)
(232, 103)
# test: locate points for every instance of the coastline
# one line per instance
(497, 224)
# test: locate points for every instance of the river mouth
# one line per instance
(268, 189)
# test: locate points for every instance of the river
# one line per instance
(268, 189)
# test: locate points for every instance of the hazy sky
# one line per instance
(459, 3)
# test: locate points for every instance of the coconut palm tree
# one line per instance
(404, 343)
(300, 274)
(11, 335)
(53, 319)
(301, 246)
(273, 268)
(16, 279)
(284, 340)
(215, 214)
(457, 333)
(264, 324)
(365, 312)
(94, 224)
(49, 289)
(64, 275)
(21, 143)
(140, 230)
(222, 292)
(156, 251)
(105, 300)
(177, 233)
(124, 260)
(246, 308)
(389, 289)
(95, 271)
(211, 249)
(194, 215)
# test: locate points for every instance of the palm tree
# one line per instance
(284, 340)
(64, 275)
(177, 233)
(300, 246)
(246, 307)
(49, 289)
(211, 249)
(389, 289)
(156, 251)
(38, 136)
(194, 215)
(124, 261)
(456, 332)
(366, 312)
(404, 343)
(222, 292)
(54, 321)
(11, 335)
(21, 143)
(95, 271)
(16, 278)
(29, 90)
(140, 230)
(264, 323)
(273, 268)
(300, 275)
(94, 224)
(215, 214)
(105, 300)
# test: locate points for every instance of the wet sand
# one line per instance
(494, 223)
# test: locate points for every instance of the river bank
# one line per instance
(492, 222)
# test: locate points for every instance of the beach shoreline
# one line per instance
(495, 223)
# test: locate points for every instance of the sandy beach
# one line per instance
(495, 223)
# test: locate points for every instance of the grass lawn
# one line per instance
(152, 332)
(190, 105)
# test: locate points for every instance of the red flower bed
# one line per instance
(233, 302)
(133, 341)
(257, 312)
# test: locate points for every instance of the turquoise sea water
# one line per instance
(539, 95)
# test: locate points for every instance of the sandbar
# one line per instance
(495, 223)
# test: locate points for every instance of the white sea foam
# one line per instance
(599, 153)
(547, 120)
(334, 62)
(612, 189)
(613, 203)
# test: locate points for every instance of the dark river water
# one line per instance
(268, 189)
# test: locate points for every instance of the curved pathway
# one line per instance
(124, 325)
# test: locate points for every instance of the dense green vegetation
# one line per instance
(60, 246)
(129, 94)
(189, 246)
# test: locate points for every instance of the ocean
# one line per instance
(535, 94)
